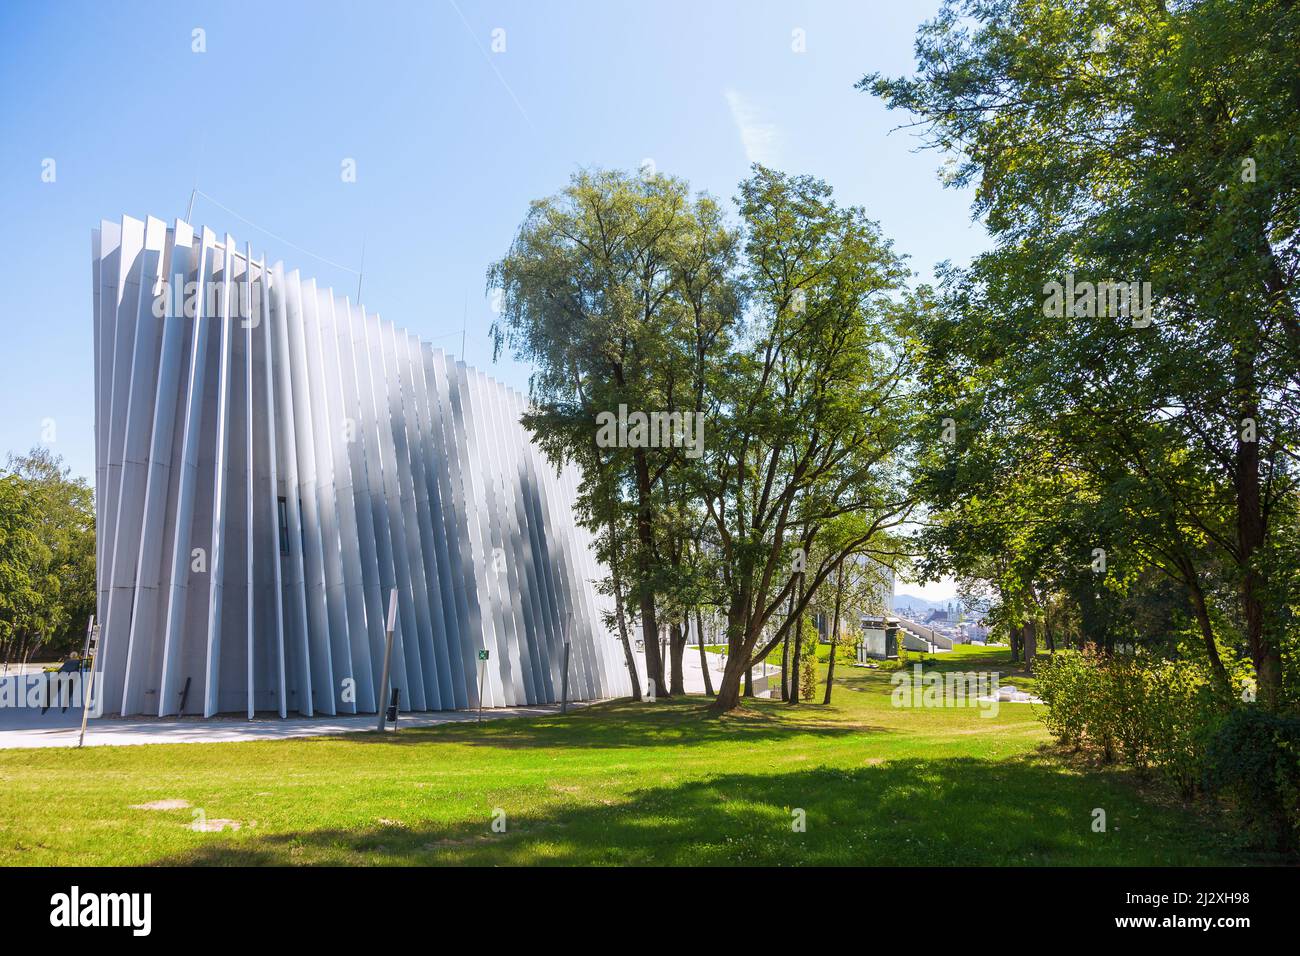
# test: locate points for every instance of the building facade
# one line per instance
(272, 461)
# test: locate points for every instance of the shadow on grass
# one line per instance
(617, 724)
(958, 811)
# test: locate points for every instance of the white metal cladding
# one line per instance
(270, 460)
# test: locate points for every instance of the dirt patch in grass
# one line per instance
(175, 804)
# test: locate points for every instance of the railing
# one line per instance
(927, 634)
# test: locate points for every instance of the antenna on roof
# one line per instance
(363, 269)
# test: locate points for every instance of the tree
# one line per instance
(617, 291)
(816, 413)
(626, 294)
(47, 587)
(21, 555)
(1178, 399)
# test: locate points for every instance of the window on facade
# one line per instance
(282, 511)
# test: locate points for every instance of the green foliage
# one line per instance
(1144, 710)
(47, 555)
(846, 649)
(23, 555)
(808, 661)
(1253, 759)
(1122, 700)
(1171, 445)
(620, 291)
(1065, 681)
(784, 332)
(1180, 707)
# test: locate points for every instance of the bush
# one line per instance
(807, 666)
(1171, 715)
(1065, 682)
(1127, 719)
(1253, 759)
(846, 649)
(1181, 706)
(1143, 710)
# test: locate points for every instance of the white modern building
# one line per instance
(272, 460)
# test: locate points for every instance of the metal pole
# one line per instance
(388, 657)
(481, 664)
(92, 648)
(85, 648)
(564, 682)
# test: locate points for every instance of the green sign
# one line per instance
(483, 655)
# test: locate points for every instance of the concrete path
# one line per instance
(693, 674)
(23, 727)
(61, 730)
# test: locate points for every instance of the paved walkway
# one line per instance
(28, 728)
(61, 730)
(693, 674)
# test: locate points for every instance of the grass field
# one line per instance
(615, 783)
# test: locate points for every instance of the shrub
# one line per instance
(807, 665)
(1181, 707)
(846, 649)
(1253, 759)
(1121, 716)
(1145, 710)
(1172, 715)
(1079, 704)
(1060, 686)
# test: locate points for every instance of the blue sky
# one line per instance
(450, 141)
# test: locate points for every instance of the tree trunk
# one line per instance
(797, 677)
(835, 633)
(1202, 612)
(785, 667)
(733, 667)
(798, 667)
(1251, 531)
(645, 548)
(704, 655)
(729, 690)
(785, 652)
(621, 616)
(1031, 641)
(677, 648)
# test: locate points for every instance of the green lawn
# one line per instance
(616, 783)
